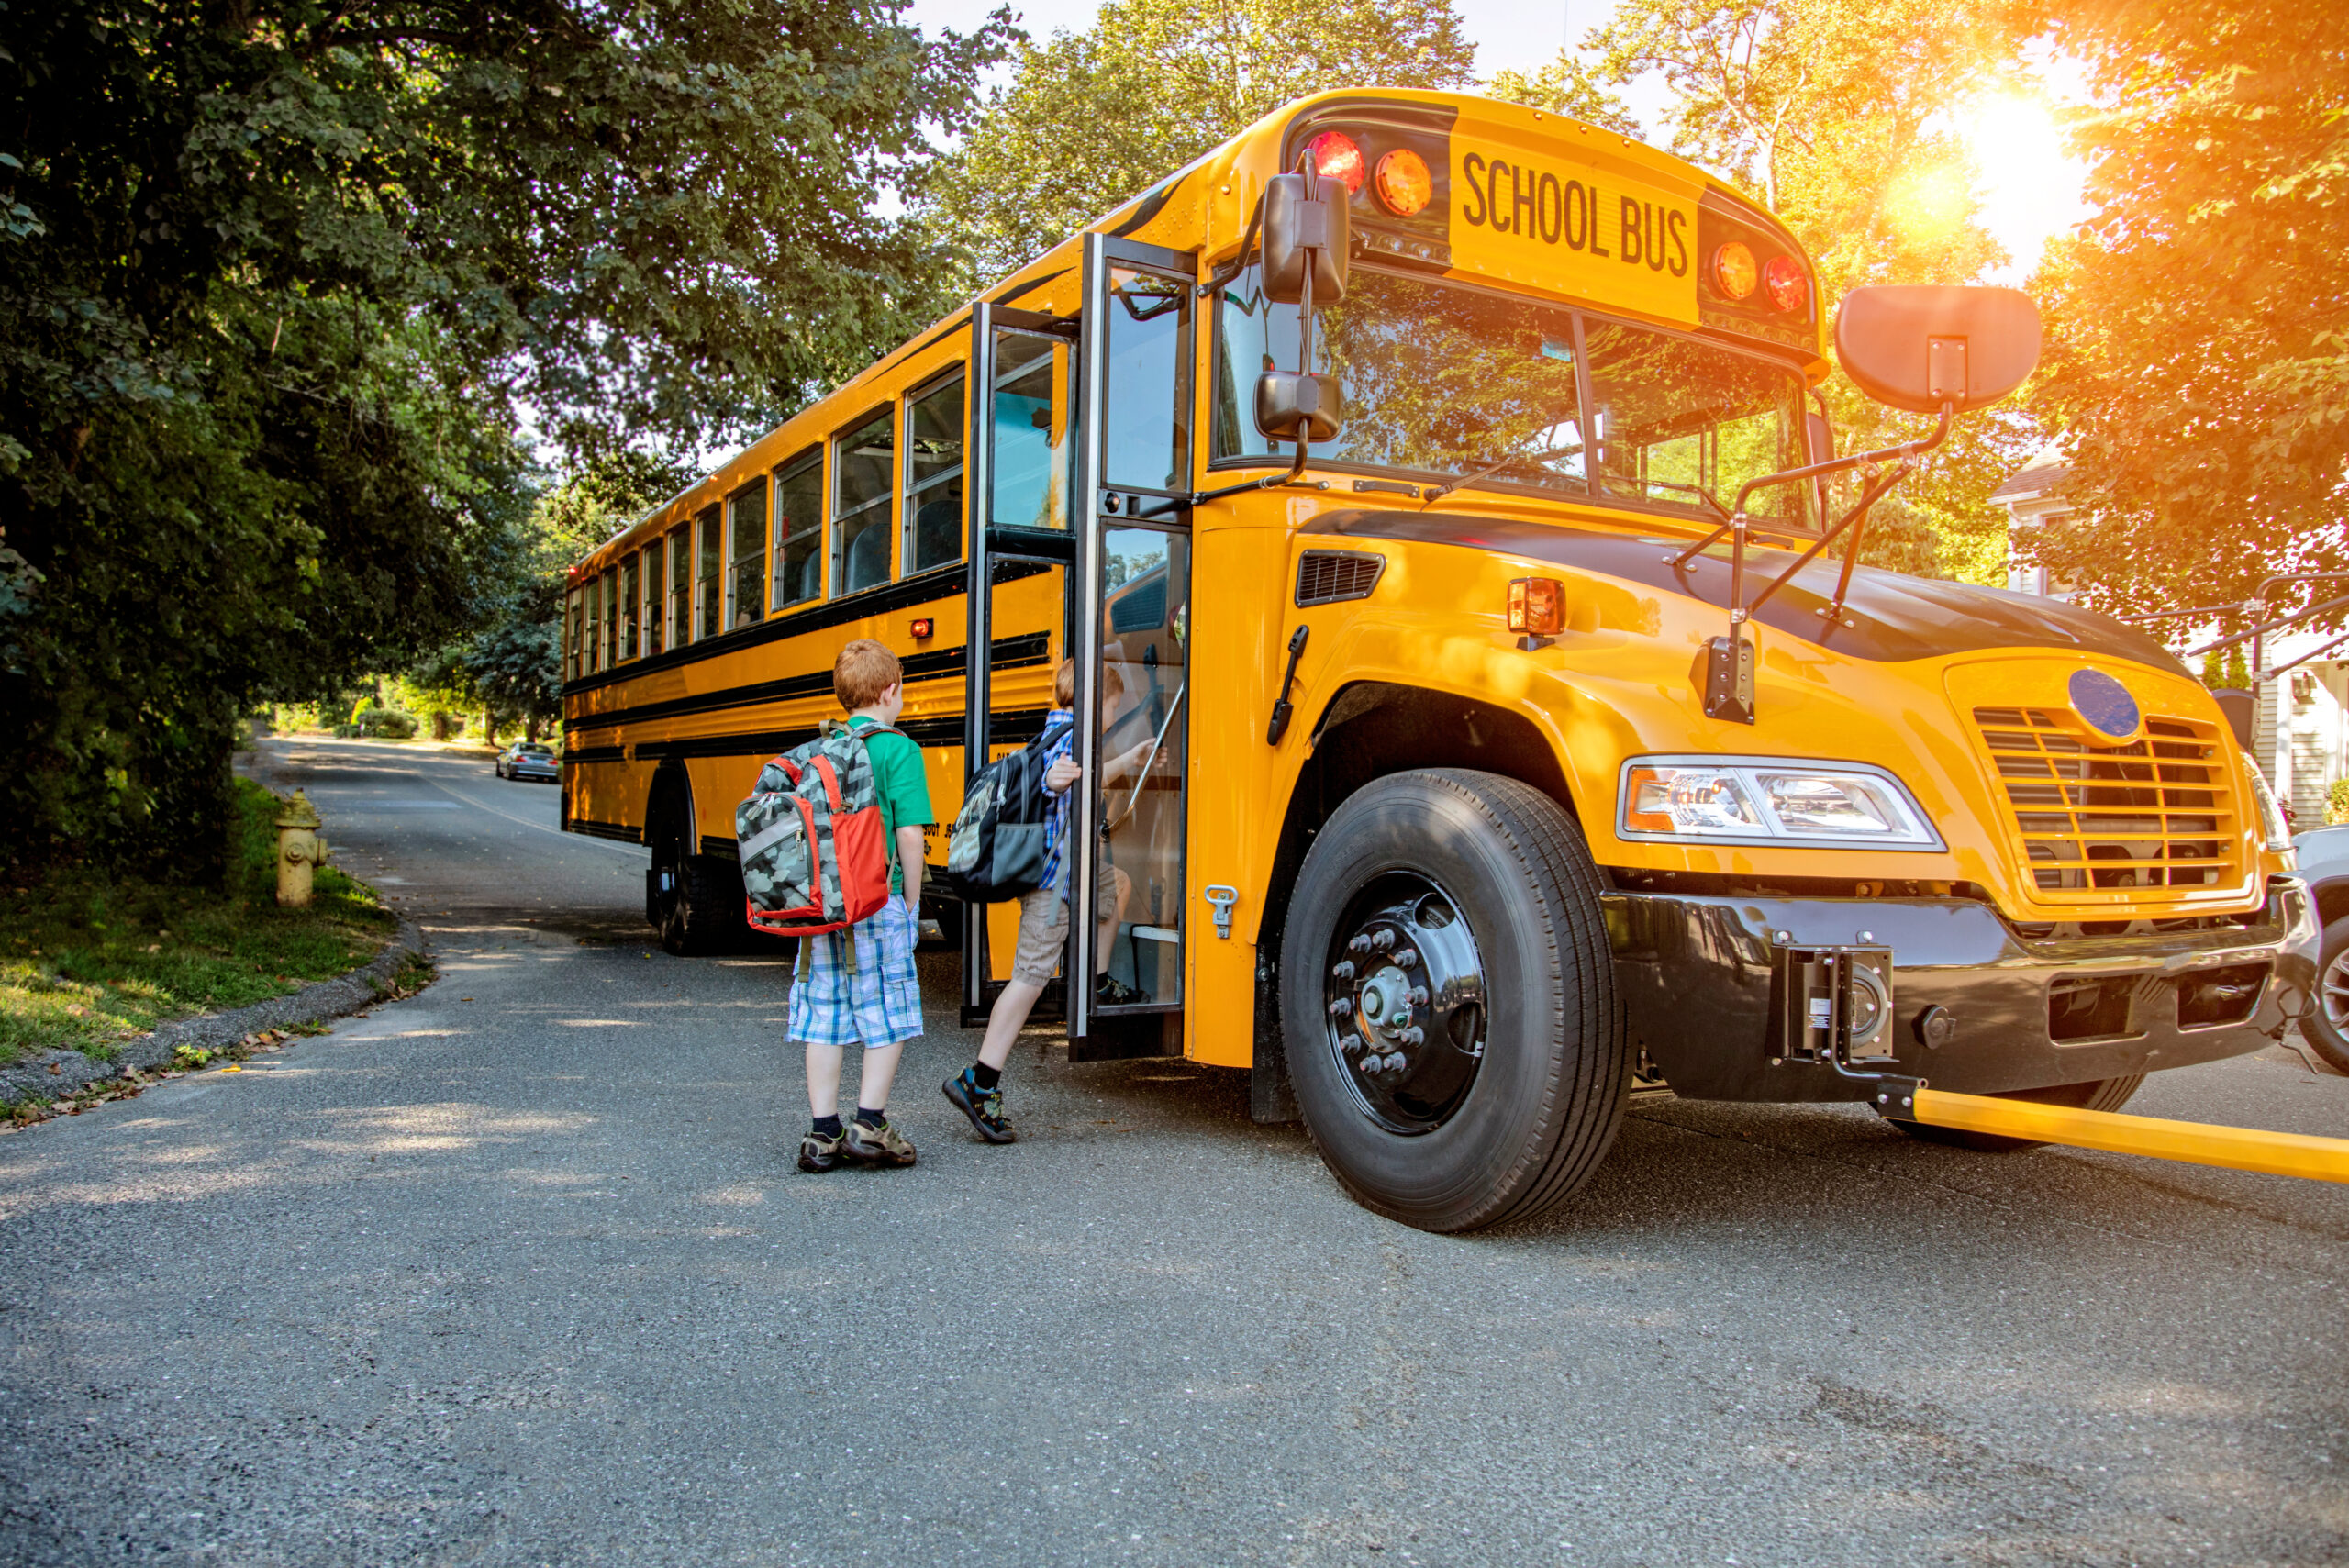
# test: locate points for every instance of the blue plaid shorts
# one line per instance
(880, 1003)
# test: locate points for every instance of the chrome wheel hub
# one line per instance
(2332, 993)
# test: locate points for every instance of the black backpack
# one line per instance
(997, 850)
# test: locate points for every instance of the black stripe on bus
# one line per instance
(594, 830)
(937, 584)
(1011, 654)
(583, 754)
(1015, 726)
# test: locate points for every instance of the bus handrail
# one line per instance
(1142, 774)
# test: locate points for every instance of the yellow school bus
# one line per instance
(1435, 497)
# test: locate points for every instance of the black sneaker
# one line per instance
(820, 1152)
(1112, 993)
(883, 1145)
(984, 1106)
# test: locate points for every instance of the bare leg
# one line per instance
(880, 1072)
(1004, 1021)
(1111, 921)
(823, 1080)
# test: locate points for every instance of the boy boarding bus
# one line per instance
(1441, 480)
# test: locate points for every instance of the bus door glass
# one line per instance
(1126, 871)
(1021, 468)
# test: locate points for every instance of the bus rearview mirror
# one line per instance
(1290, 406)
(1918, 346)
(1296, 231)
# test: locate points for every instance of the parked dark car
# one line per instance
(2325, 861)
(528, 760)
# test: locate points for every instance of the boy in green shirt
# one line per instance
(876, 1003)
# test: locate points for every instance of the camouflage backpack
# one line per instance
(814, 856)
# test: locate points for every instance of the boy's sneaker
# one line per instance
(984, 1106)
(883, 1145)
(821, 1153)
(1115, 993)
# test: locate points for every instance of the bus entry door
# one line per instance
(1023, 469)
(1125, 965)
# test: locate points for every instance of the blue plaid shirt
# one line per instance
(1056, 819)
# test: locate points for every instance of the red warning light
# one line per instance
(1335, 157)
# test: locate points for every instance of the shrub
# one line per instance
(389, 722)
(2337, 803)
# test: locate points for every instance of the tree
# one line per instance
(277, 275)
(1827, 113)
(2198, 355)
(516, 664)
(1090, 119)
(1568, 87)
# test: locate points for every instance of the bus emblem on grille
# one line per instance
(2105, 702)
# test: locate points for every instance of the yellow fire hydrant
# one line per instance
(300, 846)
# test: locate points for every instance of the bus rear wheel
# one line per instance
(1447, 1001)
(2098, 1094)
(685, 896)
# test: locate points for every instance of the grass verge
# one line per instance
(86, 962)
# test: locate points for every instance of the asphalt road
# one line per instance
(519, 1271)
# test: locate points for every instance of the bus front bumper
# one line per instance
(1712, 987)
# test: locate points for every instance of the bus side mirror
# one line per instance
(1292, 407)
(1301, 232)
(1918, 346)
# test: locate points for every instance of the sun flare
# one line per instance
(2026, 179)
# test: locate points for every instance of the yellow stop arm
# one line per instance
(2196, 1143)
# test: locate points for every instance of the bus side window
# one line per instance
(654, 575)
(1031, 433)
(681, 587)
(628, 608)
(934, 476)
(864, 469)
(710, 525)
(578, 623)
(799, 531)
(746, 588)
(611, 618)
(594, 642)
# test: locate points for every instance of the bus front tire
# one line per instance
(2096, 1094)
(1502, 1136)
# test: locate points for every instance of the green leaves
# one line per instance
(2198, 344)
(278, 279)
(1093, 119)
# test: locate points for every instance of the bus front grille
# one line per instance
(2156, 813)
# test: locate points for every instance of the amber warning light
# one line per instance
(1537, 607)
(924, 629)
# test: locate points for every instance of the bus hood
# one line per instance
(1898, 617)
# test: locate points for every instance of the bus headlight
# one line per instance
(2275, 829)
(1769, 800)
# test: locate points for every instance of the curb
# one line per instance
(34, 1078)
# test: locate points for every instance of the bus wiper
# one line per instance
(1438, 491)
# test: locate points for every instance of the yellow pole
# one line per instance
(2196, 1143)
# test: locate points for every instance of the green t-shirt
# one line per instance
(903, 784)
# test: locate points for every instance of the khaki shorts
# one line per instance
(1044, 925)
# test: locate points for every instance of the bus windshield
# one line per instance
(1441, 381)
